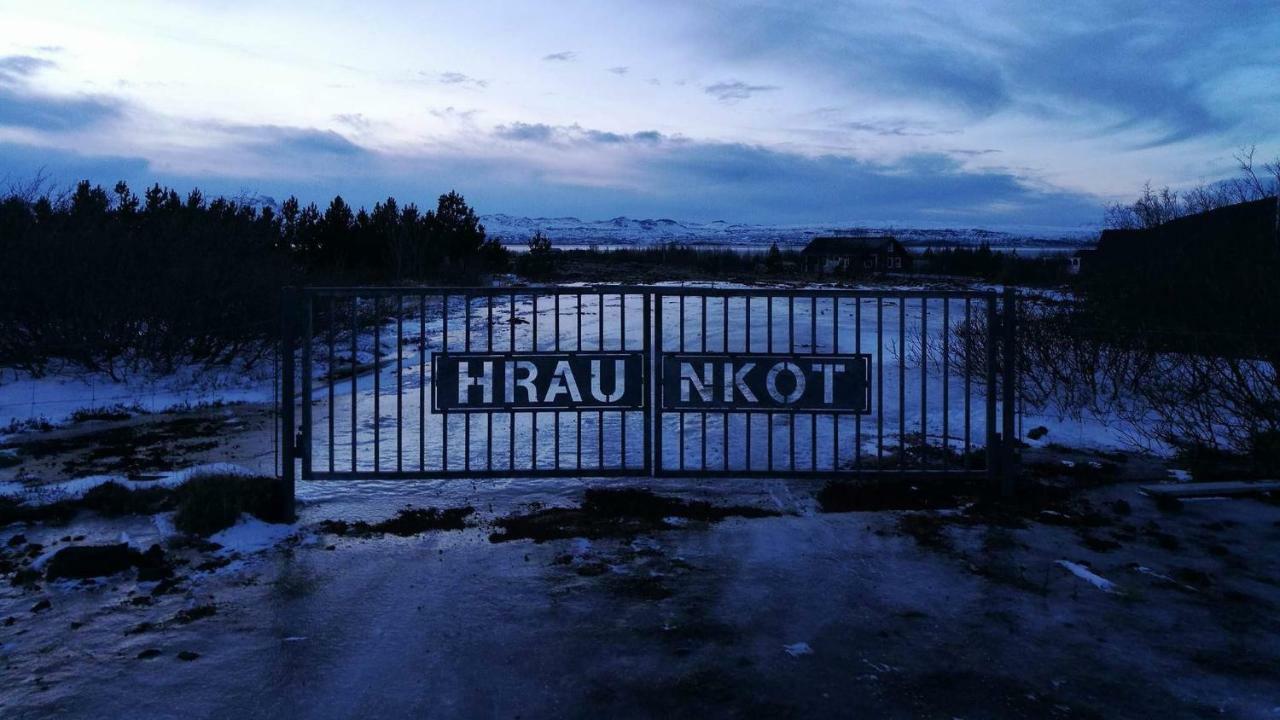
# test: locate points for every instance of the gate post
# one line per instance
(1008, 382)
(288, 450)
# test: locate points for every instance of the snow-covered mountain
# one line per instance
(513, 230)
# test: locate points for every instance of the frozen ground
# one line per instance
(1093, 609)
(1083, 611)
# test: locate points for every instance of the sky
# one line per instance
(927, 113)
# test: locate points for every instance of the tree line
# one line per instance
(111, 279)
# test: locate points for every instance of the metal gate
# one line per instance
(408, 382)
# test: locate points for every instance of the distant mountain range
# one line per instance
(511, 230)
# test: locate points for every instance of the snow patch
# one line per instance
(1089, 576)
(75, 489)
(251, 535)
(796, 650)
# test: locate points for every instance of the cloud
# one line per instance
(53, 113)
(525, 132)
(566, 135)
(734, 90)
(20, 106)
(620, 70)
(65, 167)
(896, 128)
(16, 67)
(562, 56)
(457, 78)
(355, 121)
(293, 140)
(1093, 67)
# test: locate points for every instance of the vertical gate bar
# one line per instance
(813, 350)
(993, 322)
(333, 321)
(648, 378)
(902, 384)
(835, 350)
(724, 416)
(746, 348)
(703, 414)
(555, 438)
(946, 384)
(655, 367)
(511, 417)
(600, 413)
(308, 313)
(1008, 464)
(924, 380)
(968, 370)
(578, 413)
(466, 347)
(422, 382)
(377, 382)
(866, 392)
(399, 383)
(533, 453)
(768, 335)
(791, 416)
(622, 346)
(444, 414)
(355, 313)
(680, 428)
(488, 417)
(880, 383)
(288, 313)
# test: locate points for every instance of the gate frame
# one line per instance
(297, 310)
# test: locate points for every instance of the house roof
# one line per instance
(1220, 226)
(848, 245)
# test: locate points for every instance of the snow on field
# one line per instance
(77, 487)
(55, 397)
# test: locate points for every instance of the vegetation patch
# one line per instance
(212, 502)
(89, 561)
(202, 506)
(406, 523)
(616, 513)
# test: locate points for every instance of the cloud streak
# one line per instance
(734, 90)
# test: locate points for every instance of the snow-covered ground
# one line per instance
(58, 394)
(1136, 614)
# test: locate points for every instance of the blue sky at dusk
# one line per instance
(932, 112)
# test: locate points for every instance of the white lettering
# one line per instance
(829, 371)
(563, 382)
(689, 379)
(738, 380)
(771, 383)
(619, 381)
(466, 382)
(531, 373)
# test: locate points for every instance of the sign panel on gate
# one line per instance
(488, 382)
(743, 382)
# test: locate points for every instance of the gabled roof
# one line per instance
(848, 245)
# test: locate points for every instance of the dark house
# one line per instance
(855, 255)
(1212, 273)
